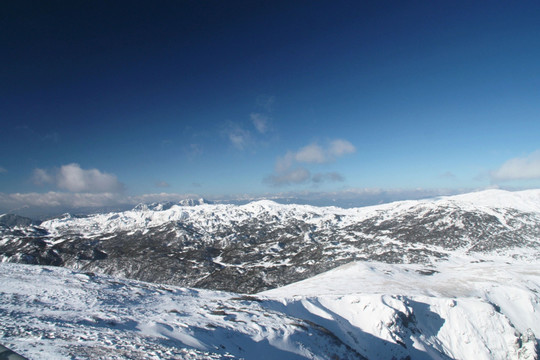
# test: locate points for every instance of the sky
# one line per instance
(104, 103)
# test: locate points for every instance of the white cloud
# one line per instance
(340, 147)
(57, 199)
(292, 176)
(52, 203)
(260, 122)
(73, 178)
(314, 153)
(311, 154)
(285, 162)
(239, 137)
(58, 202)
(519, 168)
(286, 173)
(2, 170)
(355, 197)
(42, 177)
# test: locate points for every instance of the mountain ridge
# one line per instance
(263, 244)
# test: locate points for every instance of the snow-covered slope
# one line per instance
(358, 311)
(480, 307)
(264, 245)
(55, 313)
(526, 200)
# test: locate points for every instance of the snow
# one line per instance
(469, 307)
(56, 313)
(526, 200)
(212, 216)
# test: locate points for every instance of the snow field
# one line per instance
(468, 308)
(55, 313)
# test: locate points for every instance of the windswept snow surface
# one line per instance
(55, 313)
(466, 308)
(463, 308)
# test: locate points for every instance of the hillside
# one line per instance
(263, 245)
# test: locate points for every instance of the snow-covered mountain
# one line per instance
(448, 278)
(263, 245)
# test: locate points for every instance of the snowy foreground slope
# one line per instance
(463, 308)
(55, 313)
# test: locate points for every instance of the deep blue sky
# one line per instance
(223, 98)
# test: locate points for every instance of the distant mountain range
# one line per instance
(263, 245)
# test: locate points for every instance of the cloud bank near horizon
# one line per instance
(54, 202)
(71, 187)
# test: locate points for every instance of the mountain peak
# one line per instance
(162, 206)
(194, 202)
